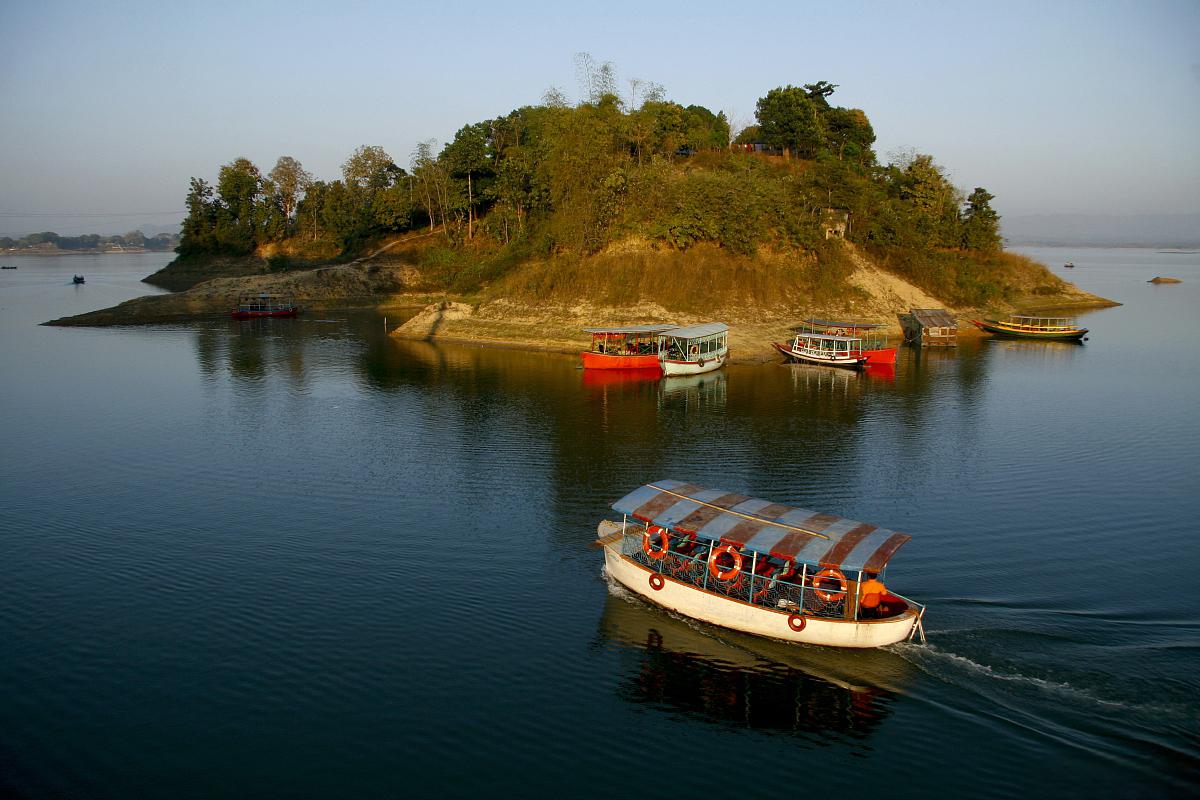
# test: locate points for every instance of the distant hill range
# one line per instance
(1104, 230)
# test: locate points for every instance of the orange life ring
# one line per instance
(797, 622)
(827, 595)
(656, 553)
(726, 574)
(656, 581)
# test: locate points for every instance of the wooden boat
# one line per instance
(1028, 327)
(77, 279)
(825, 348)
(694, 349)
(758, 567)
(6, 266)
(253, 306)
(633, 347)
(874, 344)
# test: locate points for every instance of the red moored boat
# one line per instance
(873, 344)
(632, 347)
(264, 305)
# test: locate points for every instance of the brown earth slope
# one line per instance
(391, 278)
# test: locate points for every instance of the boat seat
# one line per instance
(890, 606)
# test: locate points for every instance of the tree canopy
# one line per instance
(556, 179)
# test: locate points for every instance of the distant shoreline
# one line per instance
(1161, 248)
(126, 251)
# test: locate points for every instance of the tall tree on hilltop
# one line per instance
(933, 202)
(370, 167)
(790, 119)
(467, 156)
(819, 92)
(431, 178)
(198, 234)
(981, 224)
(290, 180)
(239, 187)
(850, 134)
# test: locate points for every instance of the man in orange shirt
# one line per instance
(871, 593)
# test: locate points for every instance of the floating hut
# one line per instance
(930, 327)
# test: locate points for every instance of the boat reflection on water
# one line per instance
(812, 379)
(884, 373)
(731, 678)
(610, 377)
(693, 391)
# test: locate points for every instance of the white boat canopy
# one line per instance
(633, 329)
(784, 532)
(698, 331)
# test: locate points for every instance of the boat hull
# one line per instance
(1000, 329)
(686, 599)
(882, 355)
(698, 367)
(612, 361)
(852, 362)
(290, 312)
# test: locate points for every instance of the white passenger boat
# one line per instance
(694, 349)
(759, 567)
(826, 348)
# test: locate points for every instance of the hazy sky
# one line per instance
(1055, 107)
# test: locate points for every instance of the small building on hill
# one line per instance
(836, 222)
(930, 327)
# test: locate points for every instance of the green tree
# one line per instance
(932, 202)
(289, 179)
(791, 120)
(239, 187)
(198, 233)
(980, 223)
(467, 157)
(370, 167)
(850, 134)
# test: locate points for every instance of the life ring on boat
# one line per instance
(656, 581)
(830, 595)
(652, 532)
(797, 622)
(715, 570)
(700, 362)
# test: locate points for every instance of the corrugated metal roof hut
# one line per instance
(930, 327)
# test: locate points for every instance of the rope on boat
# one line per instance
(763, 520)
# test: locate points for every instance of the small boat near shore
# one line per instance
(825, 348)
(873, 343)
(77, 279)
(264, 305)
(694, 349)
(6, 266)
(1069, 265)
(634, 347)
(758, 567)
(1021, 326)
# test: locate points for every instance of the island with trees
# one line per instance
(50, 243)
(634, 209)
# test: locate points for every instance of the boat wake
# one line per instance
(950, 667)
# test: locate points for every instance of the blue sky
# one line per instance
(109, 108)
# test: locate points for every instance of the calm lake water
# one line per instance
(298, 558)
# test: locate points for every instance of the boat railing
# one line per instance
(757, 582)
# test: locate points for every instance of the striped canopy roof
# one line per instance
(797, 534)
